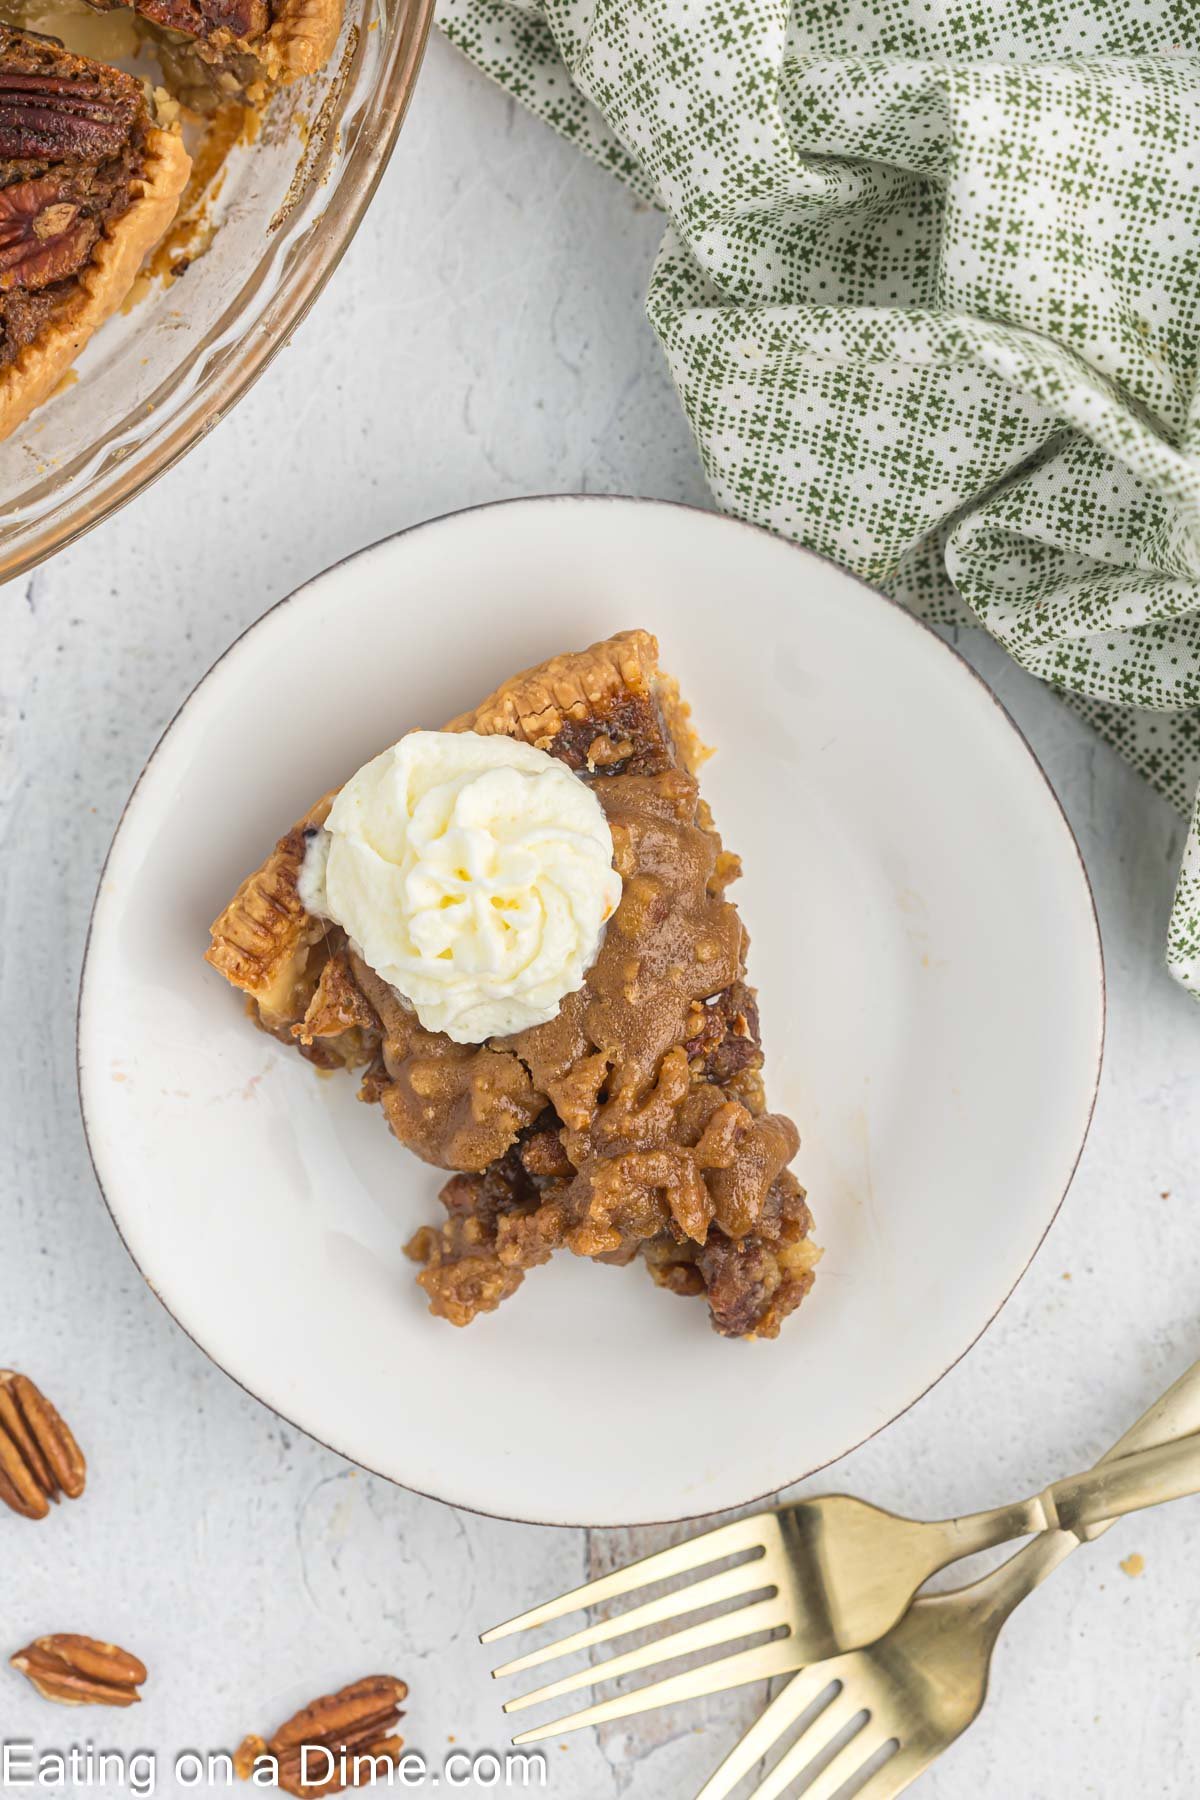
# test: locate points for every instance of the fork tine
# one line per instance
(679, 1559)
(787, 1706)
(833, 1777)
(726, 1586)
(757, 1664)
(897, 1773)
(763, 1615)
(812, 1742)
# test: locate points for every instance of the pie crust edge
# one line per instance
(303, 34)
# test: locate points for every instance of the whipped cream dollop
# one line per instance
(472, 873)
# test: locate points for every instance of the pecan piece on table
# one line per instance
(44, 115)
(39, 1458)
(336, 1742)
(44, 235)
(81, 1671)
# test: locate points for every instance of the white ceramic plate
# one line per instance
(924, 942)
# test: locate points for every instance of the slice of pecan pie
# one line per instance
(633, 1121)
(88, 184)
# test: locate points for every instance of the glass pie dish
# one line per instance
(249, 259)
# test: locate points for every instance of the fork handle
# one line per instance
(1146, 1478)
(1175, 1415)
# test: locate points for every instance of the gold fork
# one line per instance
(823, 1575)
(925, 1682)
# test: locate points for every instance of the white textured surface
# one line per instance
(484, 339)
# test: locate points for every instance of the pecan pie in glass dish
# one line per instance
(88, 184)
(517, 931)
(93, 164)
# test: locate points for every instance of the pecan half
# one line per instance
(243, 19)
(39, 1458)
(352, 1727)
(44, 236)
(80, 1671)
(43, 115)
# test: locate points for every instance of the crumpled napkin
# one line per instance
(930, 294)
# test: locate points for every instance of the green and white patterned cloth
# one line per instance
(930, 294)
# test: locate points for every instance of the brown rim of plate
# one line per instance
(876, 593)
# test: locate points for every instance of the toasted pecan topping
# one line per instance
(243, 19)
(44, 115)
(43, 235)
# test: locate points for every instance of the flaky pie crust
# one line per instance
(302, 37)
